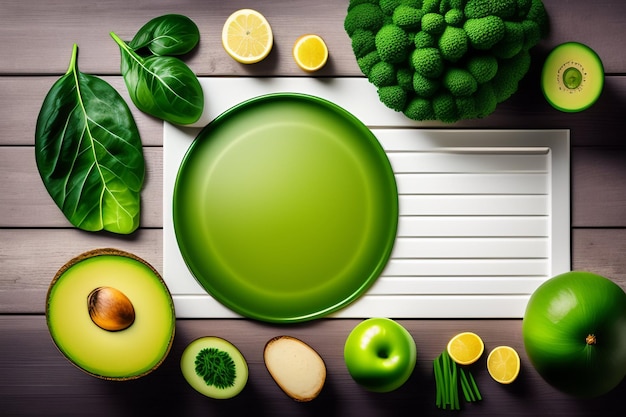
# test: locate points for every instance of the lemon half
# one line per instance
(503, 364)
(310, 52)
(465, 348)
(247, 36)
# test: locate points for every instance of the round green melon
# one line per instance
(574, 332)
(83, 337)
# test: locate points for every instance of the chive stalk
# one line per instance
(475, 387)
(448, 376)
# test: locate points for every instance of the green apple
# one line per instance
(574, 333)
(380, 354)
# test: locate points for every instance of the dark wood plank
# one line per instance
(36, 378)
(598, 195)
(22, 97)
(600, 251)
(31, 257)
(26, 203)
(50, 29)
(24, 282)
(601, 125)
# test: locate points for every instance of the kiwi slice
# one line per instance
(214, 367)
(572, 77)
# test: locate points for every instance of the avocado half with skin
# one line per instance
(111, 314)
(572, 77)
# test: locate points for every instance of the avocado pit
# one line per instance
(591, 339)
(110, 309)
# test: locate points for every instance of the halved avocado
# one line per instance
(572, 77)
(111, 314)
(214, 367)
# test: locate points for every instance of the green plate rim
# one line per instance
(393, 204)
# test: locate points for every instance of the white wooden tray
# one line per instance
(484, 214)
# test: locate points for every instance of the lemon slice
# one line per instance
(503, 364)
(310, 52)
(247, 36)
(465, 348)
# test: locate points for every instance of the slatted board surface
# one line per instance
(484, 214)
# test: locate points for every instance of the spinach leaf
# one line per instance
(89, 154)
(162, 86)
(170, 34)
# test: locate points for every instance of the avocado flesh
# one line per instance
(572, 77)
(124, 354)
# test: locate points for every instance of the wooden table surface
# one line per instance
(36, 38)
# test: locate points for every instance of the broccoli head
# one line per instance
(445, 60)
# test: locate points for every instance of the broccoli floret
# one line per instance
(416, 4)
(431, 6)
(486, 101)
(420, 109)
(453, 43)
(457, 4)
(363, 42)
(354, 3)
(382, 74)
(512, 42)
(445, 108)
(423, 86)
(433, 23)
(392, 44)
(454, 17)
(510, 72)
(407, 17)
(444, 6)
(424, 40)
(365, 16)
(388, 6)
(393, 96)
(537, 13)
(404, 78)
(484, 32)
(459, 82)
(466, 107)
(475, 9)
(532, 34)
(482, 67)
(523, 6)
(367, 62)
(427, 62)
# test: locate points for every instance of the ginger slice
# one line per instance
(296, 367)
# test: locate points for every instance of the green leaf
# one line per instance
(89, 154)
(170, 34)
(161, 86)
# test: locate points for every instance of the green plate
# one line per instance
(285, 208)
